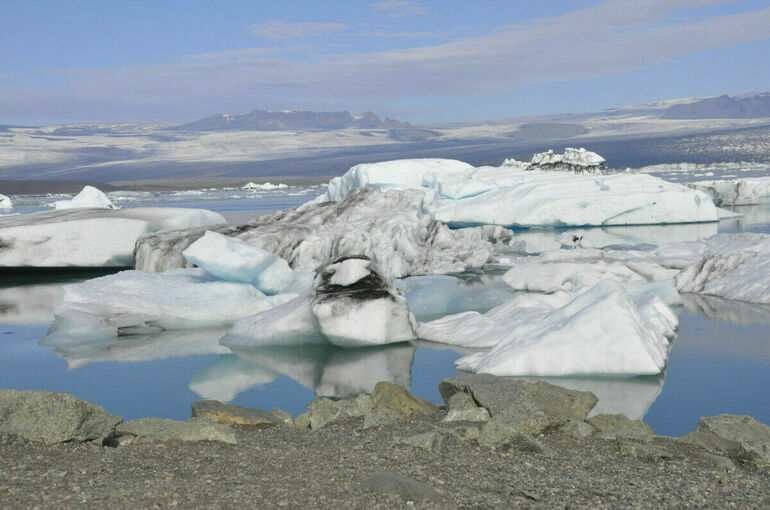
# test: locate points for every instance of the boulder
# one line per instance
(282, 416)
(531, 408)
(499, 435)
(53, 417)
(474, 414)
(751, 436)
(578, 429)
(325, 411)
(161, 429)
(430, 441)
(618, 426)
(398, 399)
(229, 414)
(461, 401)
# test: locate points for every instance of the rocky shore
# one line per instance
(497, 443)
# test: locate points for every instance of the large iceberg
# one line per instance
(88, 198)
(600, 332)
(748, 191)
(462, 195)
(88, 237)
(573, 160)
(390, 227)
(139, 303)
(5, 202)
(733, 266)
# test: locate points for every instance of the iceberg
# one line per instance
(291, 323)
(748, 191)
(733, 266)
(389, 227)
(88, 237)
(138, 303)
(599, 332)
(461, 195)
(268, 186)
(88, 198)
(573, 160)
(356, 306)
(5, 202)
(235, 260)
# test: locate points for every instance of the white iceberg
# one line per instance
(268, 186)
(461, 195)
(5, 202)
(573, 160)
(600, 332)
(88, 237)
(139, 303)
(291, 323)
(356, 306)
(390, 227)
(748, 191)
(733, 266)
(88, 198)
(235, 260)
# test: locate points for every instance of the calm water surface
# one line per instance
(719, 363)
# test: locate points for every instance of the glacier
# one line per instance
(88, 237)
(88, 198)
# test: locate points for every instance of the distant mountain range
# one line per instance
(262, 120)
(722, 107)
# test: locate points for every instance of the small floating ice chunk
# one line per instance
(369, 311)
(599, 332)
(268, 186)
(88, 198)
(5, 202)
(235, 260)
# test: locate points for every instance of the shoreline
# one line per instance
(393, 450)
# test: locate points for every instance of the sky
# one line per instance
(416, 60)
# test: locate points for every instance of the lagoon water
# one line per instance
(720, 362)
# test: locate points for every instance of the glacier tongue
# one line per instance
(389, 227)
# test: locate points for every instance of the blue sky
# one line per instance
(422, 61)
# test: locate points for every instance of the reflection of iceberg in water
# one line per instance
(727, 310)
(166, 344)
(631, 396)
(228, 376)
(29, 303)
(336, 372)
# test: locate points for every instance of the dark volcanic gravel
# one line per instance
(327, 468)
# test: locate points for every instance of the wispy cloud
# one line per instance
(605, 39)
(400, 8)
(281, 31)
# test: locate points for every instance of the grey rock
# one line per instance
(644, 451)
(281, 416)
(752, 435)
(302, 421)
(463, 431)
(231, 414)
(499, 435)
(381, 417)
(389, 483)
(398, 399)
(579, 429)
(717, 461)
(475, 414)
(461, 401)
(53, 417)
(324, 411)
(711, 442)
(532, 408)
(161, 429)
(431, 441)
(618, 426)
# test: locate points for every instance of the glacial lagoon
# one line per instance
(720, 362)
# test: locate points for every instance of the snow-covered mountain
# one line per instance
(262, 120)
